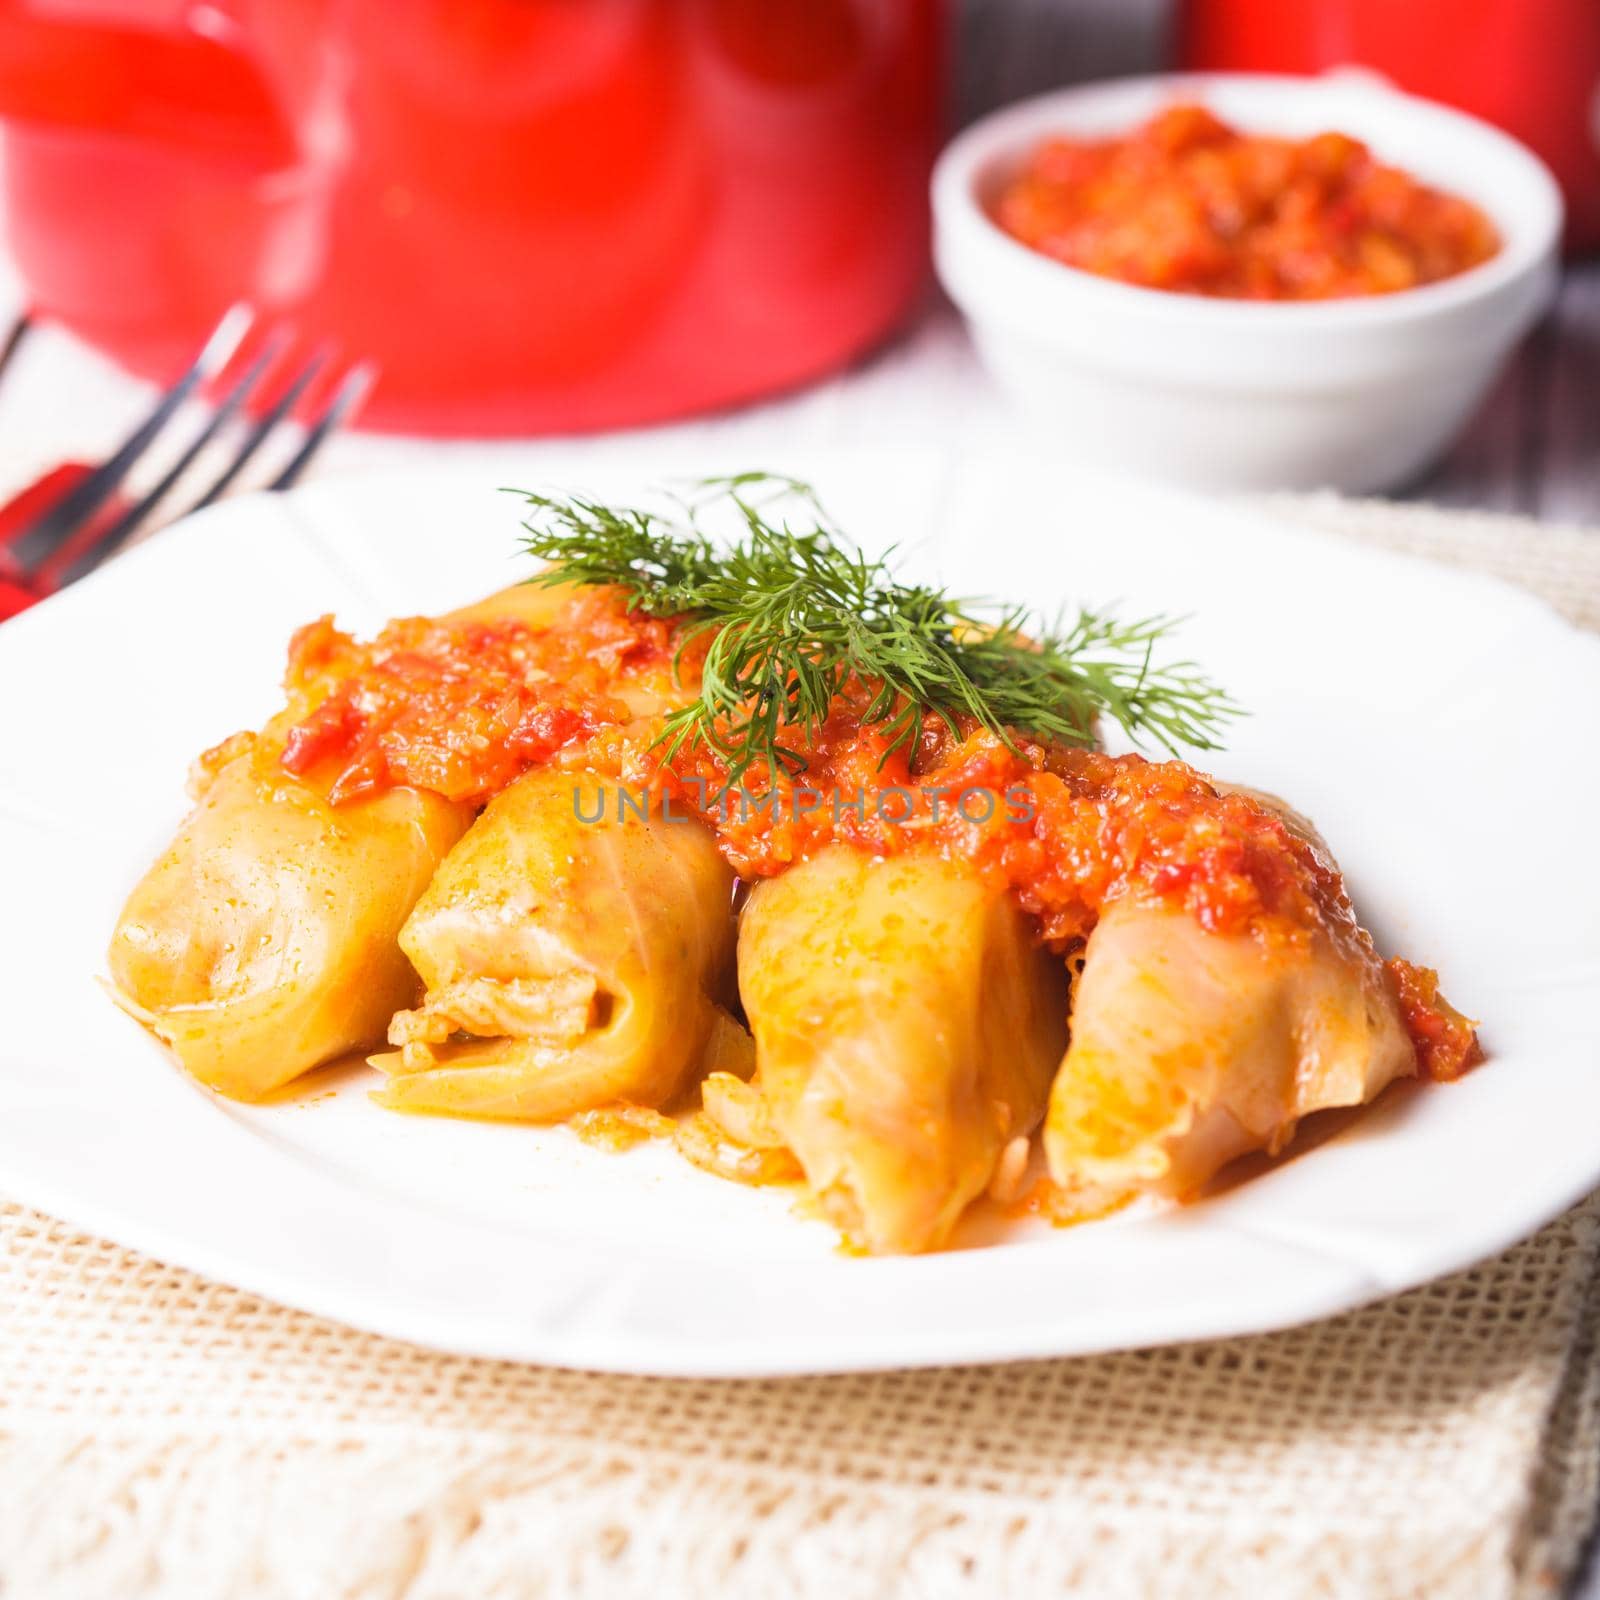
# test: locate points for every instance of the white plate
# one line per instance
(1433, 723)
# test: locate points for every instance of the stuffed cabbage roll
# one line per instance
(574, 956)
(907, 1025)
(263, 942)
(1191, 1047)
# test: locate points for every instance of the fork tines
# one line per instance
(73, 535)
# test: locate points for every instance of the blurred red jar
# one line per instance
(535, 215)
(1530, 66)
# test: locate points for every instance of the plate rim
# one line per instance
(37, 1179)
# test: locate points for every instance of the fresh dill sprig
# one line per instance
(795, 615)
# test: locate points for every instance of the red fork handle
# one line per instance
(18, 515)
(20, 512)
(14, 598)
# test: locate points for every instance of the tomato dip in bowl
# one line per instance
(1187, 203)
(1245, 282)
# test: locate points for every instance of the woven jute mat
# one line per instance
(165, 1436)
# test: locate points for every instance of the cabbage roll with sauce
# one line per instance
(569, 963)
(907, 1025)
(263, 942)
(1190, 1047)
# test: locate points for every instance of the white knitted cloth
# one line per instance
(162, 1436)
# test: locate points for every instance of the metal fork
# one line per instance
(83, 519)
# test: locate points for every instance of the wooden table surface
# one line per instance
(1535, 446)
(1533, 449)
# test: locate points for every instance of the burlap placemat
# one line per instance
(165, 1436)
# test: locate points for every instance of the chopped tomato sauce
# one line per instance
(1068, 831)
(465, 708)
(1189, 204)
(1447, 1042)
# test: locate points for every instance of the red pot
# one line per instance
(533, 214)
(1531, 66)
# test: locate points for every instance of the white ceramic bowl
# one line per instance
(1356, 394)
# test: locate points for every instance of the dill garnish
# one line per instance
(795, 615)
